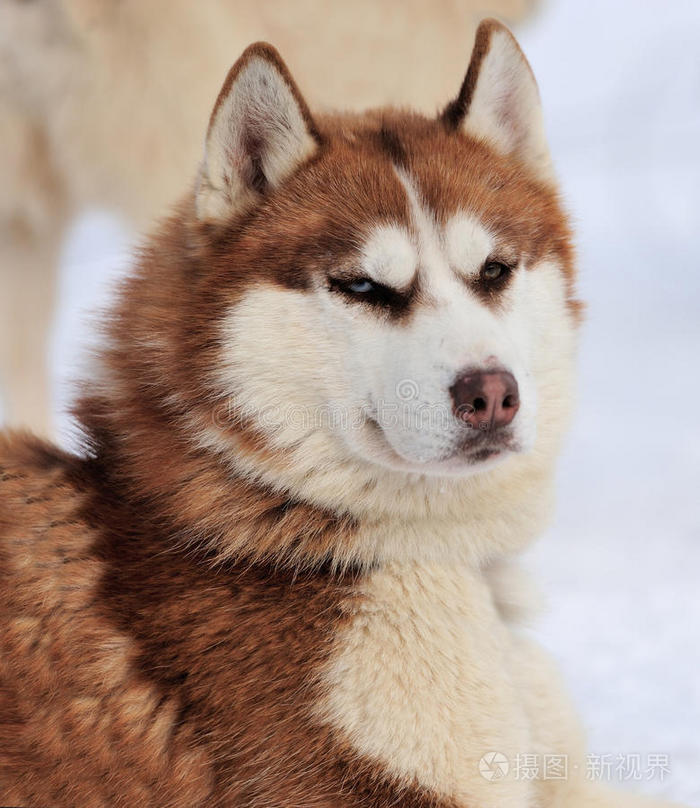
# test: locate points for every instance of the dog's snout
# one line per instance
(485, 399)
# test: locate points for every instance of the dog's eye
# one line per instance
(356, 287)
(494, 271)
(363, 290)
(361, 286)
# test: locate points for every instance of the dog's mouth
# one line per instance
(487, 444)
(477, 457)
(473, 452)
(481, 455)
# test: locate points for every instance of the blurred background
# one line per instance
(103, 107)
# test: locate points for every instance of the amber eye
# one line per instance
(494, 271)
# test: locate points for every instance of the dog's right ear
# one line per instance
(260, 131)
(499, 101)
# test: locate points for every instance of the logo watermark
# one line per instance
(406, 409)
(494, 766)
(612, 767)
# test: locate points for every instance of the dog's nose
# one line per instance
(485, 399)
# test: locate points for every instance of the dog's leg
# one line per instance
(32, 214)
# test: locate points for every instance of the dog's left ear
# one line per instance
(499, 100)
(259, 133)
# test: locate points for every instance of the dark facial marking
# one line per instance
(390, 143)
(377, 296)
(492, 280)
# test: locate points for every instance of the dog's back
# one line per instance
(77, 725)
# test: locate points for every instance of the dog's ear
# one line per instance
(499, 100)
(260, 131)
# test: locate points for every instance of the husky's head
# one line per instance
(399, 288)
(368, 313)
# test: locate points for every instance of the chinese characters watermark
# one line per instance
(613, 767)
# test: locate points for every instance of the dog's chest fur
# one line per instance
(423, 681)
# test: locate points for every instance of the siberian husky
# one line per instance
(326, 417)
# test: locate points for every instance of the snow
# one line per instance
(620, 565)
(621, 89)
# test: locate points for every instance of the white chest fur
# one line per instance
(427, 678)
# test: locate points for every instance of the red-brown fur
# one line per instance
(163, 620)
(133, 674)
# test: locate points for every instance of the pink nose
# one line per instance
(485, 399)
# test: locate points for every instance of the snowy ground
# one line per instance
(620, 565)
(621, 89)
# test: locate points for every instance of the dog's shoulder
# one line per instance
(36, 484)
(47, 565)
(39, 492)
(44, 537)
(70, 686)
